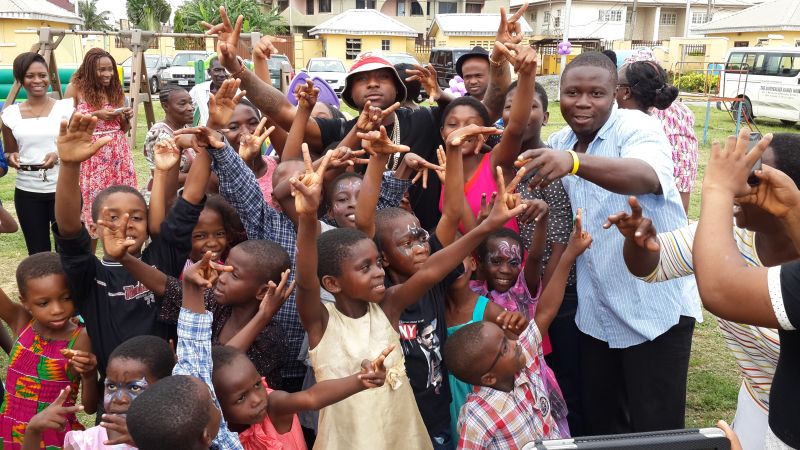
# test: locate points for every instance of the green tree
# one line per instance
(93, 19)
(189, 15)
(148, 14)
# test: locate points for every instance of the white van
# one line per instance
(767, 79)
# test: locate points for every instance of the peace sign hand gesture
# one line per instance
(228, 40)
(204, 273)
(54, 417)
(371, 117)
(276, 296)
(222, 104)
(307, 190)
(506, 207)
(250, 144)
(510, 30)
(115, 240)
(635, 227)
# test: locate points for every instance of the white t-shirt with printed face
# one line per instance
(36, 137)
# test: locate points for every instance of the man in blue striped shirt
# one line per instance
(635, 337)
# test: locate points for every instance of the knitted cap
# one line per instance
(367, 62)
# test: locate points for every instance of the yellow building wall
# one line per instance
(676, 61)
(789, 38)
(305, 49)
(335, 45)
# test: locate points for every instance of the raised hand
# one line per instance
(54, 417)
(502, 211)
(441, 157)
(276, 296)
(307, 190)
(513, 321)
(82, 362)
(729, 169)
(306, 95)
(75, 139)
(373, 373)
(115, 235)
(776, 193)
(166, 154)
(635, 227)
(265, 47)
(228, 42)
(426, 75)
(198, 138)
(222, 104)
(344, 157)
(525, 59)
(250, 144)
(470, 138)
(378, 143)
(510, 30)
(204, 273)
(511, 198)
(371, 117)
(421, 166)
(579, 240)
(486, 207)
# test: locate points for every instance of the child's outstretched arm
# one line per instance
(533, 263)
(262, 51)
(641, 250)
(7, 222)
(74, 146)
(441, 263)
(553, 294)
(275, 297)
(13, 313)
(380, 147)
(283, 405)
(54, 417)
(83, 363)
(306, 99)
(166, 157)
(506, 152)
(307, 191)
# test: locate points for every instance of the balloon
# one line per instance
(564, 48)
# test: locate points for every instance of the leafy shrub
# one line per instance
(697, 82)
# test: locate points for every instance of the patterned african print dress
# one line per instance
(111, 165)
(37, 372)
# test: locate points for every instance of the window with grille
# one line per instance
(448, 7)
(365, 4)
(324, 6)
(353, 48)
(699, 17)
(416, 9)
(668, 18)
(609, 15)
(547, 17)
(473, 8)
(386, 45)
(401, 8)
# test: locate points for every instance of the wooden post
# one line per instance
(139, 92)
(45, 47)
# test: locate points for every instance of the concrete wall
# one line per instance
(305, 49)
(335, 45)
(790, 38)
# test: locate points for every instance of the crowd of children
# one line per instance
(411, 311)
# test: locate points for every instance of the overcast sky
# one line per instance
(117, 7)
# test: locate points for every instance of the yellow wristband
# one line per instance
(576, 163)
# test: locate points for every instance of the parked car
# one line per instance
(275, 62)
(155, 64)
(400, 58)
(180, 72)
(444, 61)
(329, 69)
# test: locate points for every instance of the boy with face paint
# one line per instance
(371, 82)
(133, 366)
(634, 350)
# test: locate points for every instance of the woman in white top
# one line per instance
(30, 130)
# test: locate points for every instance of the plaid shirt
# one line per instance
(194, 359)
(494, 419)
(238, 185)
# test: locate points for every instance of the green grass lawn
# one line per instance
(713, 376)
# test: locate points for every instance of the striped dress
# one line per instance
(756, 349)
(37, 372)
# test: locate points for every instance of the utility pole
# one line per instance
(633, 20)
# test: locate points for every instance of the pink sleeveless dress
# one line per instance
(264, 436)
(111, 165)
(481, 182)
(37, 372)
